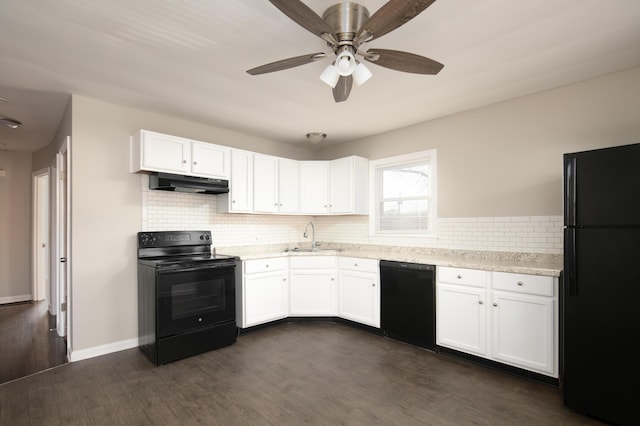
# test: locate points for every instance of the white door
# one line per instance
(166, 153)
(241, 182)
(313, 187)
(461, 320)
(40, 234)
(288, 186)
(265, 183)
(312, 293)
(63, 232)
(209, 160)
(341, 186)
(265, 297)
(359, 297)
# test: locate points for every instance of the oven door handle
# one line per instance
(196, 268)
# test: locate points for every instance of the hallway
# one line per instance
(26, 344)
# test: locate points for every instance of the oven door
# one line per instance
(194, 297)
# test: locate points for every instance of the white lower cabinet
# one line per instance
(461, 318)
(505, 317)
(359, 290)
(312, 289)
(265, 292)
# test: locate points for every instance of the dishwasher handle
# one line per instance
(391, 264)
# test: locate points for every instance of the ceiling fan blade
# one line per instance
(343, 88)
(403, 61)
(286, 63)
(304, 16)
(390, 16)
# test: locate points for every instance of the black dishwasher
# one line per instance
(408, 302)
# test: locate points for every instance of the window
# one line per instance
(403, 195)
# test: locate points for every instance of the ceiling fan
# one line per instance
(346, 27)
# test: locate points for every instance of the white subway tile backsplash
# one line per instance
(164, 210)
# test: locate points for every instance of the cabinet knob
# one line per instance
(520, 283)
(325, 206)
(495, 304)
(266, 266)
(373, 284)
(333, 279)
(284, 279)
(275, 204)
(195, 163)
(355, 264)
(480, 302)
(459, 277)
(233, 201)
(280, 205)
(184, 161)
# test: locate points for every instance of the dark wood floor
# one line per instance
(26, 344)
(288, 374)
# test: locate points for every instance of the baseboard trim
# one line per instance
(15, 299)
(95, 351)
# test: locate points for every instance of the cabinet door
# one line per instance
(165, 153)
(241, 182)
(312, 293)
(341, 186)
(461, 318)
(265, 297)
(359, 297)
(209, 160)
(523, 331)
(265, 183)
(288, 186)
(313, 187)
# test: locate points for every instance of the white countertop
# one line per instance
(522, 263)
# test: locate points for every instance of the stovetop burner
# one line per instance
(169, 249)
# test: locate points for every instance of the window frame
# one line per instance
(374, 192)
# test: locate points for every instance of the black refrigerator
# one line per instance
(601, 290)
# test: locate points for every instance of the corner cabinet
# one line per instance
(264, 293)
(359, 290)
(509, 318)
(157, 152)
(313, 286)
(275, 185)
(334, 187)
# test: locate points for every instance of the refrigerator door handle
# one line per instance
(570, 191)
(570, 261)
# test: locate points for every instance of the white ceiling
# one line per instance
(189, 58)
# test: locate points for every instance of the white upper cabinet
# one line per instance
(151, 151)
(334, 187)
(240, 196)
(275, 185)
(314, 196)
(288, 186)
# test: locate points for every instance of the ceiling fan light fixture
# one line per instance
(361, 74)
(345, 63)
(330, 76)
(316, 137)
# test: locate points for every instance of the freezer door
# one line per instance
(602, 187)
(601, 294)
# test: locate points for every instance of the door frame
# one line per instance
(63, 242)
(40, 232)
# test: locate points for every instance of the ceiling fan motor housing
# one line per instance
(345, 19)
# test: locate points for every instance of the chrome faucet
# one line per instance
(313, 234)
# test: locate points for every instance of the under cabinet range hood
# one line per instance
(194, 184)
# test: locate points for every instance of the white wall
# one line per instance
(506, 159)
(15, 226)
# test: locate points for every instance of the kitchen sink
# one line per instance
(308, 250)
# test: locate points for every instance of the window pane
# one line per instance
(405, 181)
(407, 216)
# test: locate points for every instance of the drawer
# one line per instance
(312, 262)
(358, 264)
(462, 276)
(265, 265)
(522, 283)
